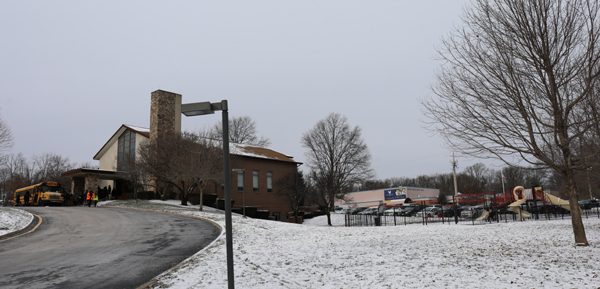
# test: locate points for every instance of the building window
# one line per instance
(126, 150)
(269, 182)
(255, 180)
(240, 180)
(277, 216)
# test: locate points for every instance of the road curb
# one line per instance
(35, 222)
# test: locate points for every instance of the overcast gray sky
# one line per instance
(71, 72)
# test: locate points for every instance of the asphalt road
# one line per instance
(81, 247)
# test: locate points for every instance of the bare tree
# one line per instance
(338, 159)
(184, 161)
(478, 173)
(516, 78)
(16, 173)
(294, 189)
(242, 130)
(49, 167)
(86, 165)
(6, 138)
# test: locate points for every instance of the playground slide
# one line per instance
(515, 206)
(557, 201)
(484, 215)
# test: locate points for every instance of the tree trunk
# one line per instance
(201, 197)
(329, 202)
(184, 200)
(183, 194)
(576, 222)
(162, 190)
(296, 215)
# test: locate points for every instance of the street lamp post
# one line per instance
(202, 108)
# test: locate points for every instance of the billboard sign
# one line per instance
(394, 195)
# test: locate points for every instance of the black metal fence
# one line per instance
(452, 216)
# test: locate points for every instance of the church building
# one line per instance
(254, 171)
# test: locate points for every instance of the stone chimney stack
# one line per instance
(165, 114)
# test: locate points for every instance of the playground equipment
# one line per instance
(484, 215)
(520, 197)
(521, 202)
(555, 200)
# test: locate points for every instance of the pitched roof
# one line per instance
(259, 152)
(234, 148)
(136, 129)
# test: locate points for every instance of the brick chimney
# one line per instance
(165, 114)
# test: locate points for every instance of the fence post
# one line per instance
(455, 210)
(496, 208)
(423, 214)
(442, 209)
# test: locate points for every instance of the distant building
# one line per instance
(256, 168)
(390, 196)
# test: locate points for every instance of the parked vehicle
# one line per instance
(428, 212)
(356, 210)
(368, 211)
(381, 209)
(410, 209)
(389, 211)
(450, 210)
(588, 204)
(472, 212)
(340, 209)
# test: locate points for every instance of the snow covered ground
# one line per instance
(531, 254)
(13, 220)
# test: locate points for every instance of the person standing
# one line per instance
(95, 197)
(18, 200)
(63, 194)
(88, 198)
(27, 196)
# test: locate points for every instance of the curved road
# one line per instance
(81, 247)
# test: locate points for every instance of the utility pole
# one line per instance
(454, 165)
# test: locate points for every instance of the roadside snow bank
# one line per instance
(12, 220)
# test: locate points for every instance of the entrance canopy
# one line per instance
(102, 174)
(88, 179)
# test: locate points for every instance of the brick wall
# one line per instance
(262, 199)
